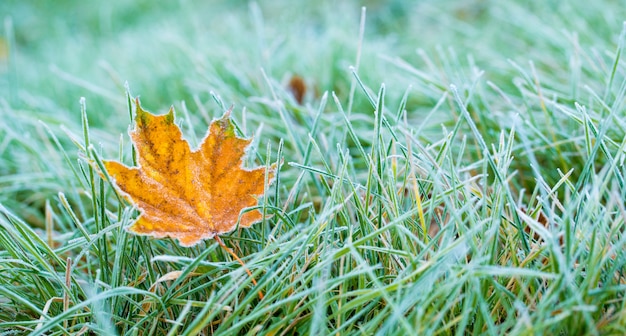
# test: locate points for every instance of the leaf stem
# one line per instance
(227, 249)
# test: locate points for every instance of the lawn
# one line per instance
(444, 167)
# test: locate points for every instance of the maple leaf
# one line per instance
(187, 194)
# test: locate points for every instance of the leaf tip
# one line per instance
(227, 113)
(225, 123)
(169, 118)
(141, 114)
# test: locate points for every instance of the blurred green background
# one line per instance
(171, 50)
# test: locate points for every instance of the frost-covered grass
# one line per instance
(455, 167)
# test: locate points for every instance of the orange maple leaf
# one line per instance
(184, 194)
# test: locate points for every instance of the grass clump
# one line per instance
(479, 190)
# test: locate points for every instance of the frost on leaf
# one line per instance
(187, 194)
